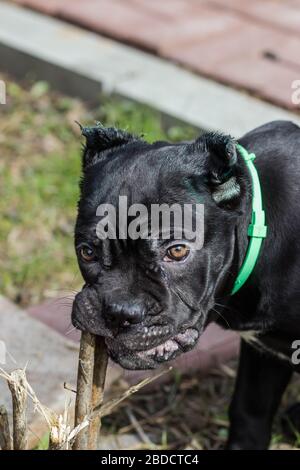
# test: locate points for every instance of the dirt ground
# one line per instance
(190, 412)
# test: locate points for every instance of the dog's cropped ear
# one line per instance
(99, 139)
(220, 166)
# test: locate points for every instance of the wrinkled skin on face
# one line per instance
(148, 306)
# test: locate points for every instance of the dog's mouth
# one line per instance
(142, 354)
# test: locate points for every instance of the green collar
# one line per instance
(257, 229)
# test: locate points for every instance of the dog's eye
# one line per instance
(177, 253)
(87, 253)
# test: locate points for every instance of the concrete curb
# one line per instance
(81, 63)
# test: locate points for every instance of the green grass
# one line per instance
(43, 444)
(39, 173)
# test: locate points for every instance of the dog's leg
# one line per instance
(260, 384)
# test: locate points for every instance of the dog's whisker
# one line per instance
(222, 306)
(64, 305)
(70, 330)
(65, 290)
(221, 316)
(62, 299)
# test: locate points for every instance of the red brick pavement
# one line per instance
(253, 45)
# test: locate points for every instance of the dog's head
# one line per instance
(150, 297)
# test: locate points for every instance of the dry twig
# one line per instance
(59, 432)
(17, 385)
(5, 437)
(61, 435)
(100, 366)
(84, 388)
(108, 407)
(138, 427)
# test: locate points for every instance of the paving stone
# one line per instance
(241, 59)
(287, 52)
(167, 9)
(265, 78)
(247, 40)
(94, 14)
(49, 7)
(278, 14)
(197, 28)
(117, 19)
(56, 314)
(132, 23)
(143, 27)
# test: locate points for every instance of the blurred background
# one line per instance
(243, 60)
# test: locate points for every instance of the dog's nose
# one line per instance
(123, 314)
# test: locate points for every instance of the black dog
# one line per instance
(152, 299)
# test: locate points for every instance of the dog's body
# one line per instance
(150, 307)
(269, 302)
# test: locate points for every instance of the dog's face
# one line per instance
(150, 298)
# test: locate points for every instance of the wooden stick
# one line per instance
(84, 388)
(5, 437)
(17, 385)
(100, 366)
(108, 407)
